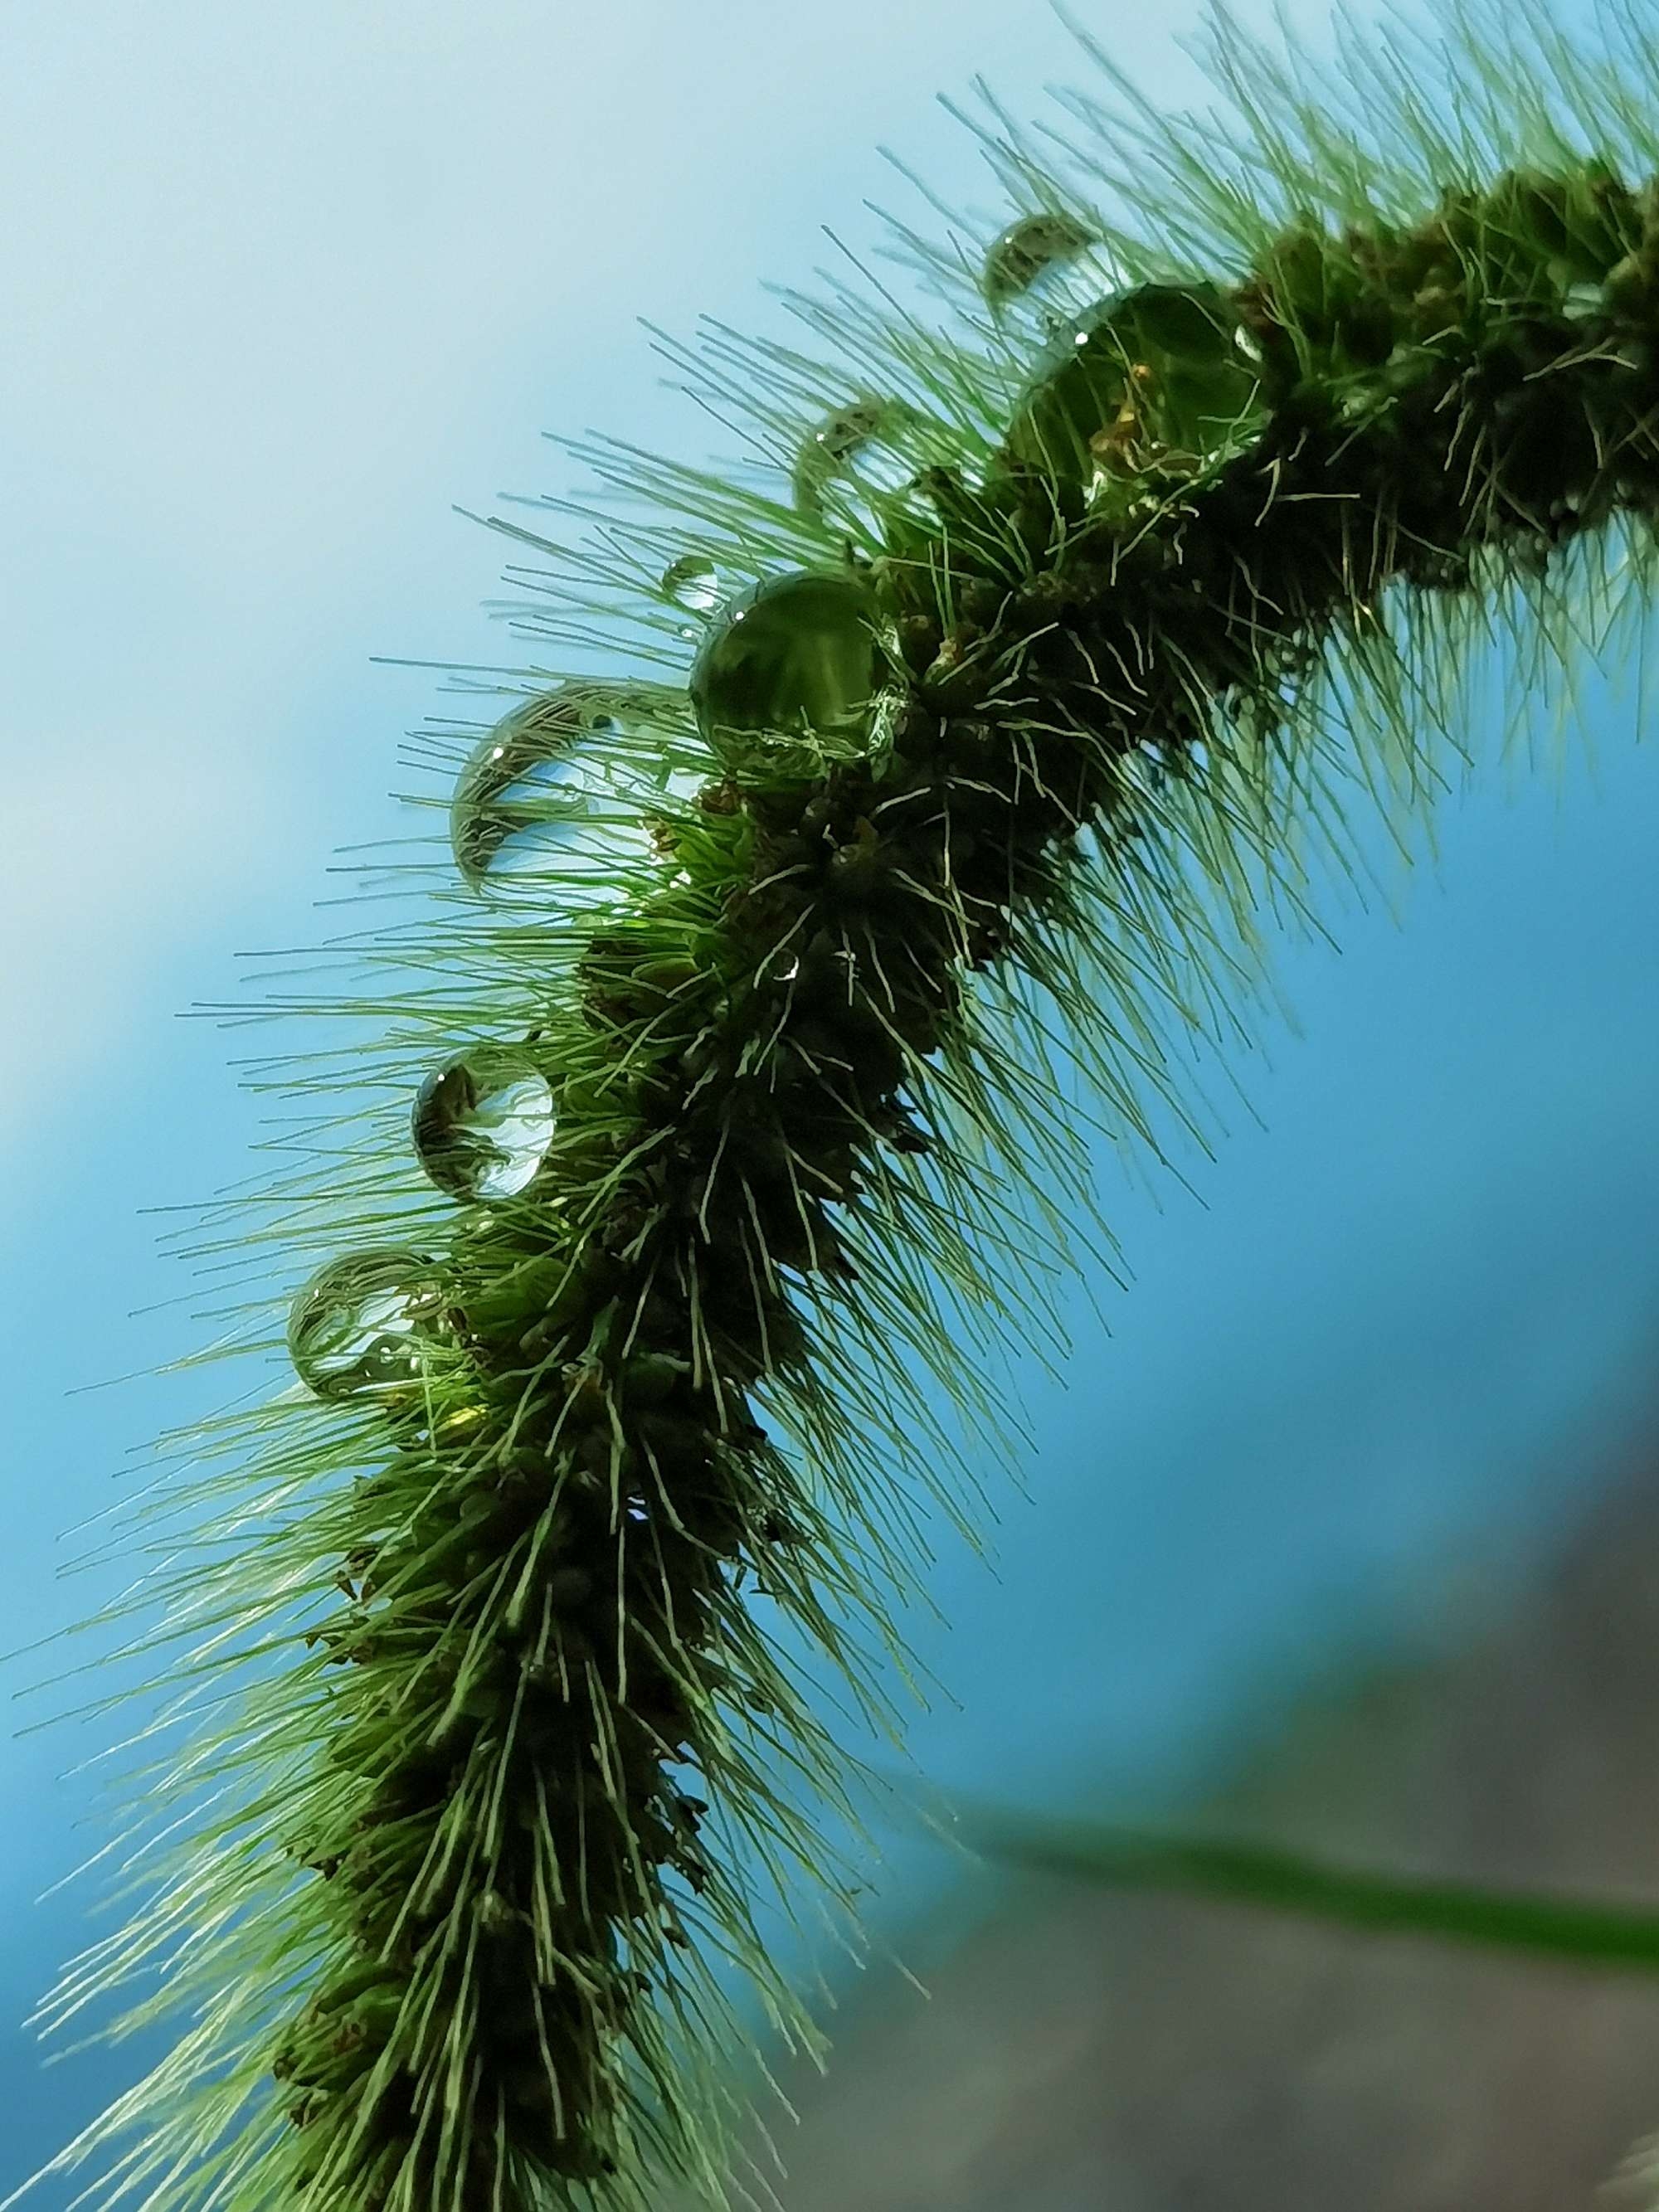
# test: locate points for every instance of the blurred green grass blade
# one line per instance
(1579, 1930)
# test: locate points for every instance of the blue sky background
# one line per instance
(283, 286)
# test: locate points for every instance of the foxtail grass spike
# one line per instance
(928, 805)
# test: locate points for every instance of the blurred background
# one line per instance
(1340, 1526)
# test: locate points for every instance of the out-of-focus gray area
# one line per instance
(1085, 2051)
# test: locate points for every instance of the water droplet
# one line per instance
(794, 675)
(483, 1123)
(1154, 377)
(365, 1323)
(560, 786)
(1045, 269)
(864, 464)
(692, 582)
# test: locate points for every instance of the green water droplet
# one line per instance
(1155, 376)
(561, 786)
(481, 1123)
(864, 464)
(365, 1323)
(1045, 268)
(692, 582)
(793, 675)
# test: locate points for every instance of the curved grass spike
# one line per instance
(481, 1753)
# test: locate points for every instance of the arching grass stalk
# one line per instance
(1582, 1933)
(905, 805)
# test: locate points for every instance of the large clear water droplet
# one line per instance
(366, 1324)
(1046, 268)
(1156, 377)
(793, 675)
(693, 583)
(561, 788)
(481, 1124)
(863, 465)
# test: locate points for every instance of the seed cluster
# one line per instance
(605, 1412)
(1421, 395)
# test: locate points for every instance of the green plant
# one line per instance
(945, 751)
(1577, 1931)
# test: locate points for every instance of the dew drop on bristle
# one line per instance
(864, 464)
(1155, 377)
(792, 675)
(483, 1123)
(782, 966)
(364, 1323)
(1046, 268)
(692, 582)
(561, 789)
